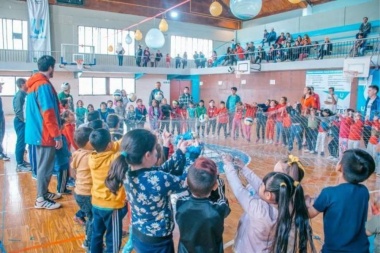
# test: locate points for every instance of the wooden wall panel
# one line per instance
(257, 87)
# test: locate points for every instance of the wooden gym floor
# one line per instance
(25, 229)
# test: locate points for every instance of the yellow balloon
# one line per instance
(163, 26)
(110, 48)
(216, 9)
(138, 35)
(295, 1)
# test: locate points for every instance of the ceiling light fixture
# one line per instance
(216, 9)
(174, 14)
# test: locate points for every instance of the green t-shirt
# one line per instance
(62, 96)
(201, 110)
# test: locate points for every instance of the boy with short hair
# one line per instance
(80, 170)
(345, 206)
(113, 125)
(201, 113)
(222, 118)
(200, 220)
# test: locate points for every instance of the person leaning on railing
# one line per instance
(326, 48)
(359, 46)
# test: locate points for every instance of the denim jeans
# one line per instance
(20, 142)
(295, 132)
(311, 138)
(2, 133)
(110, 223)
(165, 246)
(33, 159)
(84, 203)
(279, 128)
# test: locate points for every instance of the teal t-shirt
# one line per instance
(232, 103)
(80, 113)
(191, 112)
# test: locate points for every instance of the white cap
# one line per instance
(65, 86)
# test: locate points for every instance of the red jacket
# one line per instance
(223, 115)
(345, 124)
(356, 130)
(175, 113)
(250, 111)
(68, 131)
(317, 101)
(281, 112)
(212, 112)
(240, 53)
(272, 113)
(374, 139)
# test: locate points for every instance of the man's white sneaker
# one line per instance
(42, 203)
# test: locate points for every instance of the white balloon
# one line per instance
(128, 39)
(154, 39)
(245, 9)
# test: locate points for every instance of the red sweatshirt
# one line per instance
(281, 112)
(175, 113)
(356, 130)
(250, 111)
(223, 115)
(317, 101)
(212, 112)
(272, 113)
(68, 131)
(374, 139)
(238, 114)
(345, 124)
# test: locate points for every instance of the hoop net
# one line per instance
(350, 75)
(79, 64)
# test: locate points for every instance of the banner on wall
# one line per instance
(373, 79)
(321, 80)
(38, 29)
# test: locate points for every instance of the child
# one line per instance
(183, 119)
(261, 120)
(346, 121)
(222, 118)
(108, 204)
(130, 119)
(68, 129)
(80, 113)
(201, 112)
(250, 112)
(211, 113)
(236, 122)
(373, 225)
(296, 126)
(141, 113)
(90, 108)
(374, 139)
(269, 129)
(175, 116)
(322, 132)
(155, 115)
(96, 124)
(82, 174)
(103, 111)
(345, 206)
(333, 145)
(110, 107)
(148, 189)
(280, 114)
(272, 215)
(113, 127)
(165, 119)
(312, 131)
(201, 221)
(120, 112)
(168, 59)
(356, 131)
(191, 117)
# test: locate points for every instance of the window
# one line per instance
(127, 84)
(10, 87)
(102, 38)
(13, 34)
(92, 86)
(179, 45)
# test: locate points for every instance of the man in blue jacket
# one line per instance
(372, 106)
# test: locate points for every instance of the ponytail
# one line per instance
(302, 224)
(116, 174)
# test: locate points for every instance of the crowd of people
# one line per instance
(110, 155)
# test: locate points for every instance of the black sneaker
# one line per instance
(25, 163)
(52, 196)
(4, 157)
(22, 168)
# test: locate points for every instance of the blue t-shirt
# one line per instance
(345, 209)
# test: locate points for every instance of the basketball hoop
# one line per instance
(79, 64)
(350, 75)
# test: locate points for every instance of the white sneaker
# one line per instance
(42, 203)
(52, 196)
(330, 157)
(306, 150)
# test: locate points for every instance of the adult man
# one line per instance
(317, 100)
(19, 124)
(154, 92)
(42, 128)
(3, 156)
(65, 95)
(185, 98)
(365, 27)
(331, 100)
(196, 59)
(231, 106)
(372, 106)
(139, 54)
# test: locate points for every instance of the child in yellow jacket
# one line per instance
(109, 208)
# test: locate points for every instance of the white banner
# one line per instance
(321, 80)
(38, 29)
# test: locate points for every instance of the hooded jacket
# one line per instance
(43, 122)
(100, 163)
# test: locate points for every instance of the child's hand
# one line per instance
(239, 163)
(227, 158)
(182, 145)
(166, 136)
